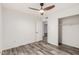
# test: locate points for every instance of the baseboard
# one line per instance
(68, 46)
(20, 45)
(53, 45)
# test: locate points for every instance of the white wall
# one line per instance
(19, 28)
(70, 31)
(53, 22)
(0, 27)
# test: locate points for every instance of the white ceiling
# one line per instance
(23, 7)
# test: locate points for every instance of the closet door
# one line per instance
(70, 31)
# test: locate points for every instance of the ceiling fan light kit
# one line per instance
(41, 11)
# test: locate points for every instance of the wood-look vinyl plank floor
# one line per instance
(41, 48)
(47, 52)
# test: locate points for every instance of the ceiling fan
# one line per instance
(42, 10)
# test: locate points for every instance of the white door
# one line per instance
(39, 30)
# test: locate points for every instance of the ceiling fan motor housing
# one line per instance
(41, 4)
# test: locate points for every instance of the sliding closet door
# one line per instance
(70, 31)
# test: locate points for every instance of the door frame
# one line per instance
(43, 30)
(59, 31)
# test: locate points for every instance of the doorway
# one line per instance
(45, 31)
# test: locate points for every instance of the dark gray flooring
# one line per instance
(41, 48)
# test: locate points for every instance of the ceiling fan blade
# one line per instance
(33, 8)
(49, 7)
